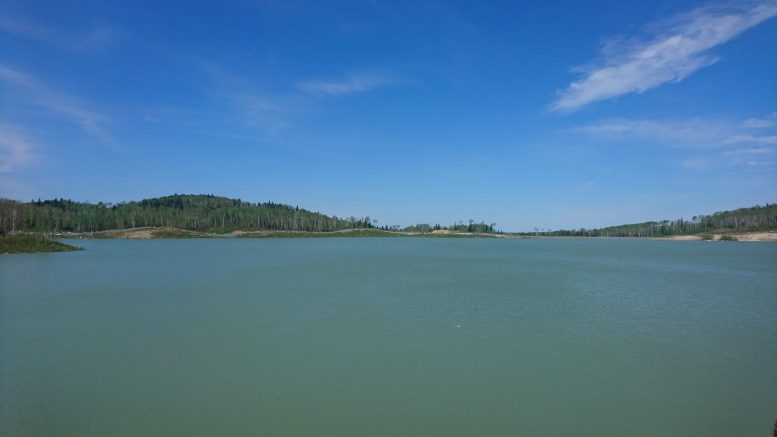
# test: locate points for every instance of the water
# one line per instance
(370, 336)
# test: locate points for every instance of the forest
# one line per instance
(215, 214)
(203, 213)
(753, 219)
(206, 213)
(460, 226)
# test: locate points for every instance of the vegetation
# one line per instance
(192, 216)
(173, 233)
(472, 227)
(25, 243)
(754, 219)
(182, 216)
(205, 213)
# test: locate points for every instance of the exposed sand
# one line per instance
(753, 236)
(129, 234)
(136, 234)
(757, 236)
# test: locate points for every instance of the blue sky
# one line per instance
(528, 114)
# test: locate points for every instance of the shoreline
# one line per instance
(145, 233)
(744, 237)
(173, 233)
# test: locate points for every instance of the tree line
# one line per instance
(207, 213)
(460, 226)
(753, 219)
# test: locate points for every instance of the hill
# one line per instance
(205, 213)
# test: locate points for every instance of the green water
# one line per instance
(371, 336)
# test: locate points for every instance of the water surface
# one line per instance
(384, 336)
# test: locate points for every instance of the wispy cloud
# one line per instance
(18, 154)
(271, 114)
(62, 105)
(92, 40)
(761, 123)
(749, 151)
(248, 104)
(352, 84)
(695, 133)
(746, 138)
(713, 142)
(17, 150)
(697, 163)
(252, 108)
(677, 48)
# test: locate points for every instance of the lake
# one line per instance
(390, 336)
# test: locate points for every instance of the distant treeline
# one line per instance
(193, 212)
(424, 228)
(754, 219)
(209, 213)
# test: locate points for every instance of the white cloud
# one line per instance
(679, 47)
(352, 84)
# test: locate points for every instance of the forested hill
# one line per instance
(193, 212)
(754, 219)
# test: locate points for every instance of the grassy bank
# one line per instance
(32, 243)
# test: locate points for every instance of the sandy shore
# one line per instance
(757, 236)
(753, 236)
(135, 234)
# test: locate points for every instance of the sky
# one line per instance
(529, 114)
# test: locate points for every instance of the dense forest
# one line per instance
(754, 219)
(192, 212)
(205, 213)
(209, 213)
